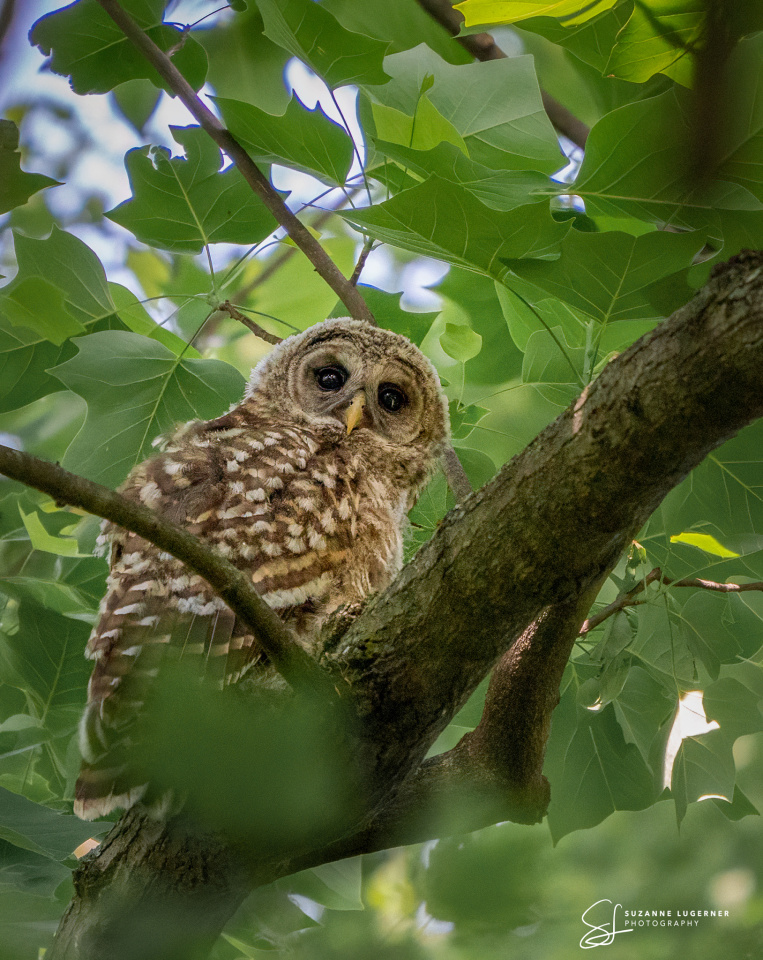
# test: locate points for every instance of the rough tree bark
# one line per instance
(507, 579)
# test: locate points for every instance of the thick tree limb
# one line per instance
(348, 293)
(285, 651)
(482, 47)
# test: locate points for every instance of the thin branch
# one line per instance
(482, 47)
(256, 329)
(367, 248)
(629, 599)
(232, 585)
(324, 265)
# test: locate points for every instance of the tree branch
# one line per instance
(235, 588)
(324, 265)
(482, 47)
(628, 599)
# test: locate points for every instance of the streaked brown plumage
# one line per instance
(305, 484)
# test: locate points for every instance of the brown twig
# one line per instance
(656, 576)
(256, 329)
(324, 265)
(231, 584)
(367, 248)
(482, 47)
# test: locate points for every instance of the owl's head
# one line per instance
(365, 386)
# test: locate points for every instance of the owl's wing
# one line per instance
(252, 500)
(142, 616)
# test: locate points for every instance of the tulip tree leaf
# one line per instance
(87, 46)
(182, 204)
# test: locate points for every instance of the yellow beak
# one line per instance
(354, 413)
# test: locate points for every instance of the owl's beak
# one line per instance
(354, 412)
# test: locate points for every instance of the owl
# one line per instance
(304, 485)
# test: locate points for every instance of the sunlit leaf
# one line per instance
(510, 11)
(660, 37)
(48, 542)
(705, 542)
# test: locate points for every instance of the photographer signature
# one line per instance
(600, 935)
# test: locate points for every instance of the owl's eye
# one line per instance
(331, 378)
(392, 398)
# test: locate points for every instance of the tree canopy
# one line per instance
(564, 215)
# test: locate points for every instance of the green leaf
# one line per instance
(26, 871)
(500, 189)
(16, 187)
(464, 418)
(134, 316)
(39, 306)
(734, 702)
(136, 100)
(135, 389)
(495, 12)
(183, 204)
(313, 35)
(439, 219)
(740, 806)
(614, 276)
(590, 41)
(550, 358)
(60, 290)
(398, 23)
(89, 48)
(460, 342)
(335, 885)
(594, 771)
(661, 649)
(423, 131)
(300, 138)
(48, 542)
(642, 708)
(704, 542)
(636, 159)
(706, 631)
(704, 765)
(33, 827)
(659, 37)
(498, 131)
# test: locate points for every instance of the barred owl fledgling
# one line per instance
(305, 484)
